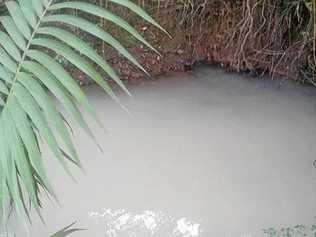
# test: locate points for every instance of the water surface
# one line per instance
(205, 154)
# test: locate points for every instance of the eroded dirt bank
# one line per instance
(253, 36)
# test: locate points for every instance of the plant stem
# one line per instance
(27, 49)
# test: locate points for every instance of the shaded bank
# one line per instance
(264, 36)
(257, 36)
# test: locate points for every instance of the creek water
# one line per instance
(203, 154)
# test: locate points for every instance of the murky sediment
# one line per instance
(206, 154)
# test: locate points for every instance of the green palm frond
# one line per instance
(30, 80)
(67, 231)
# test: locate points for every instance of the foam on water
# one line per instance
(146, 223)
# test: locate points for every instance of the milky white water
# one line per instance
(206, 154)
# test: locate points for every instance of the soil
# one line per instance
(201, 41)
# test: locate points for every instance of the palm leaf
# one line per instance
(32, 34)
(67, 231)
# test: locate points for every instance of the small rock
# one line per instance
(180, 51)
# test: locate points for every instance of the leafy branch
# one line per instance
(30, 80)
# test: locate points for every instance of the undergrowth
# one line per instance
(268, 36)
(296, 231)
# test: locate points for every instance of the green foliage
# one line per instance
(312, 8)
(67, 231)
(296, 231)
(33, 32)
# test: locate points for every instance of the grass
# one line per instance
(296, 231)
(274, 36)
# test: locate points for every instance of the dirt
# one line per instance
(211, 41)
